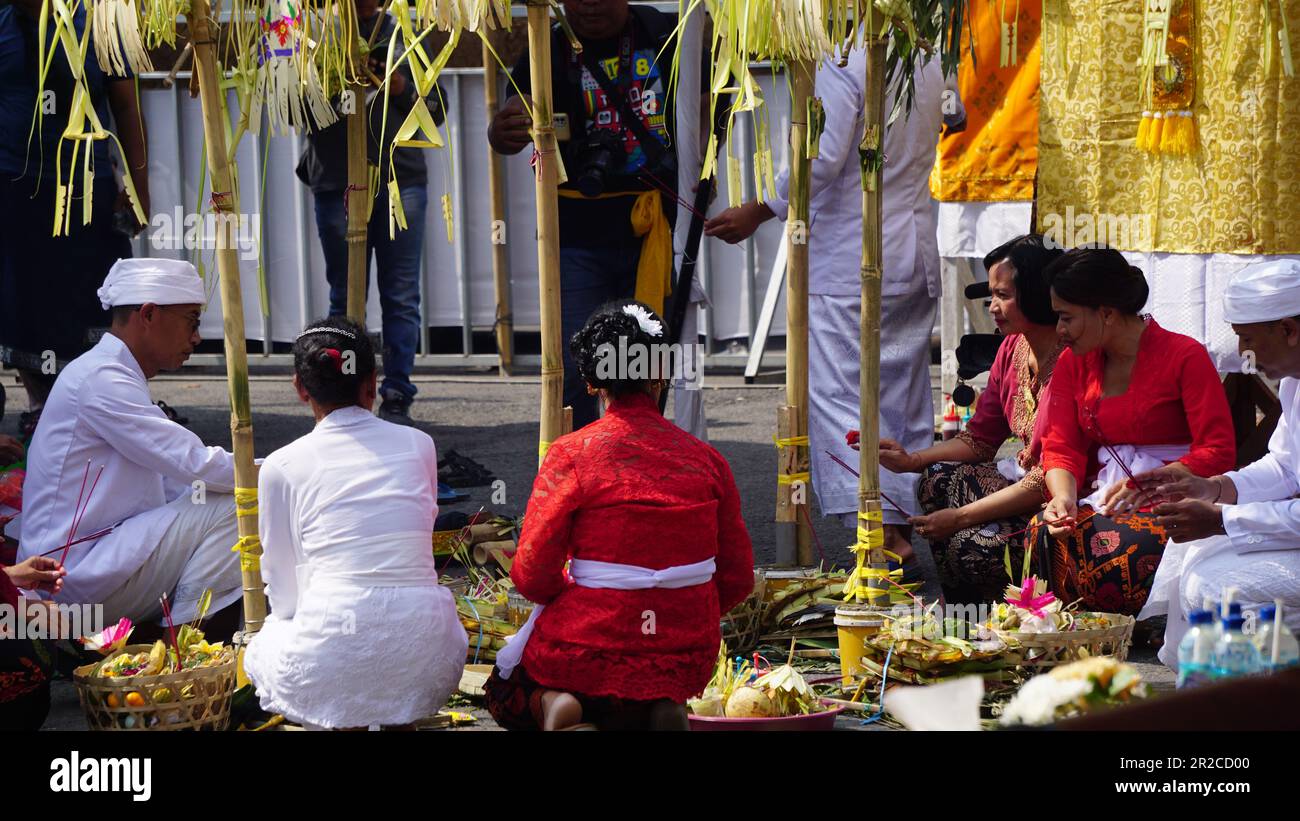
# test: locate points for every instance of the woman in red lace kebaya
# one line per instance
(647, 519)
(1132, 406)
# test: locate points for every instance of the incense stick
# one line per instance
(845, 465)
(80, 513)
(171, 628)
(663, 187)
(75, 542)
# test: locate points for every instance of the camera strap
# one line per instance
(654, 149)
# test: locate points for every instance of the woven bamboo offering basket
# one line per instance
(742, 627)
(197, 699)
(1043, 651)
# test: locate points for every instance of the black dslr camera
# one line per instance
(597, 157)
(600, 156)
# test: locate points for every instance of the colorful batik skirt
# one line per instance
(972, 562)
(1107, 563)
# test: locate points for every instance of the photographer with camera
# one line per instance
(613, 118)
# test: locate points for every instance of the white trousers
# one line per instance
(688, 395)
(906, 403)
(194, 555)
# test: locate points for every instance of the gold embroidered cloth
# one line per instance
(1240, 193)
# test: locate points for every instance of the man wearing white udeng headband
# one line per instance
(1241, 529)
(104, 456)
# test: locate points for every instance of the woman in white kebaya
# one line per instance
(360, 632)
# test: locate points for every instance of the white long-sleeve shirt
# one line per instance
(99, 413)
(355, 500)
(1267, 516)
(909, 214)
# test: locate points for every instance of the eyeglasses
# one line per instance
(194, 319)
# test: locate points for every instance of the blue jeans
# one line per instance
(590, 277)
(398, 262)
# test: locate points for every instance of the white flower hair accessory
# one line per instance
(649, 324)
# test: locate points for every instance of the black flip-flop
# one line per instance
(461, 471)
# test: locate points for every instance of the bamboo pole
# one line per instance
(202, 33)
(870, 550)
(792, 484)
(357, 196)
(546, 179)
(505, 330)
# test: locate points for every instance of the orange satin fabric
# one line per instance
(995, 158)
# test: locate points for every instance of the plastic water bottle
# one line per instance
(1288, 648)
(1234, 653)
(1196, 650)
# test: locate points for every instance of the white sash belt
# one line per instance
(611, 576)
(1139, 458)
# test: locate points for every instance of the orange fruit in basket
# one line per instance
(113, 701)
(134, 700)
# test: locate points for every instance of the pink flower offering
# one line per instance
(1031, 596)
(110, 638)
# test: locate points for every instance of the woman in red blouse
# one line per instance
(647, 518)
(974, 504)
(1128, 397)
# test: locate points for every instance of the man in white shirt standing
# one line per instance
(1241, 529)
(166, 496)
(909, 290)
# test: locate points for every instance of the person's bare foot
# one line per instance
(898, 539)
(560, 710)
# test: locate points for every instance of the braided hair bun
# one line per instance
(622, 348)
(333, 358)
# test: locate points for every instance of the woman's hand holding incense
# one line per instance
(38, 573)
(1120, 497)
(1060, 515)
(894, 457)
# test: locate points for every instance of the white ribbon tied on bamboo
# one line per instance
(610, 576)
(1139, 460)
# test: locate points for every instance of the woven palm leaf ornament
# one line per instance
(158, 21)
(84, 127)
(287, 83)
(119, 46)
(406, 46)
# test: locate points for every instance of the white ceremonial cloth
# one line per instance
(1185, 296)
(1259, 555)
(909, 248)
(99, 413)
(360, 631)
(1139, 459)
(135, 281)
(611, 576)
(973, 229)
